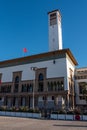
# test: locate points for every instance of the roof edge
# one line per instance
(41, 55)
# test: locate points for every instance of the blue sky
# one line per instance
(24, 23)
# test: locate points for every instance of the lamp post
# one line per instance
(33, 69)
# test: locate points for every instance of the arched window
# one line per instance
(17, 79)
(59, 85)
(55, 86)
(50, 86)
(41, 77)
(31, 88)
(24, 88)
(62, 85)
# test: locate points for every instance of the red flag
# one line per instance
(25, 50)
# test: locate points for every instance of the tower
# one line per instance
(55, 30)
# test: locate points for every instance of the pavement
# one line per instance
(15, 123)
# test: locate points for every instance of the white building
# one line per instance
(80, 86)
(44, 80)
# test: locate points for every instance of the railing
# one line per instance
(20, 114)
(38, 115)
(68, 117)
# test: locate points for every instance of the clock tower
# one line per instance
(55, 30)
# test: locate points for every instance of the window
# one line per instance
(52, 97)
(50, 86)
(43, 98)
(40, 88)
(59, 86)
(24, 88)
(6, 89)
(40, 77)
(62, 85)
(16, 84)
(55, 86)
(17, 79)
(40, 83)
(30, 87)
(81, 97)
(53, 19)
(81, 88)
(16, 88)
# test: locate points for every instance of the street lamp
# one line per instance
(33, 69)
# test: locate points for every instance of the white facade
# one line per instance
(81, 79)
(55, 30)
(59, 69)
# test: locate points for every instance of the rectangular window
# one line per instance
(81, 88)
(52, 97)
(24, 88)
(16, 88)
(53, 19)
(6, 89)
(82, 97)
(43, 98)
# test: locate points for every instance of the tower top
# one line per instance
(53, 11)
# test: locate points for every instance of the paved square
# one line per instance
(13, 123)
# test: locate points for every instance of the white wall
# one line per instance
(53, 34)
(7, 72)
(53, 70)
(59, 69)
